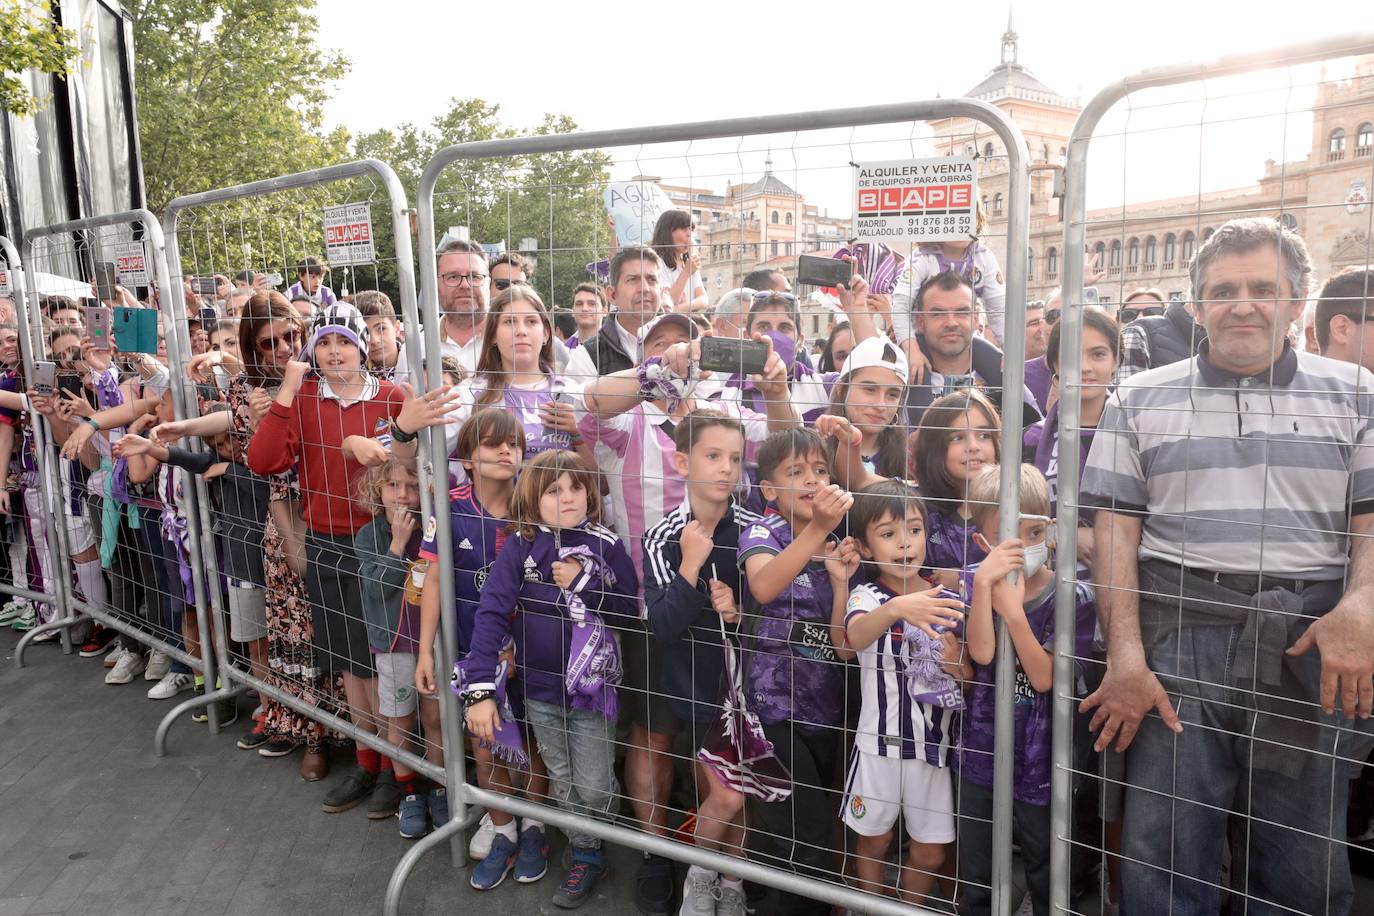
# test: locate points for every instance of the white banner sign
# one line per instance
(4, 282)
(130, 264)
(348, 235)
(635, 206)
(915, 200)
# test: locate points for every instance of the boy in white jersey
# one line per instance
(911, 664)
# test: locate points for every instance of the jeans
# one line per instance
(578, 748)
(1181, 790)
(1030, 828)
(170, 597)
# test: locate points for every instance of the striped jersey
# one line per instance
(1240, 474)
(891, 724)
(634, 450)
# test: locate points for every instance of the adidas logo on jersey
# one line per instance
(531, 570)
(465, 544)
(803, 581)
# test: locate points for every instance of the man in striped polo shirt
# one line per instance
(1236, 602)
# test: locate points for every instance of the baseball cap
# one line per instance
(672, 318)
(876, 352)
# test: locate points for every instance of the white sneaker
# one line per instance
(479, 847)
(12, 611)
(127, 666)
(731, 900)
(700, 892)
(173, 683)
(158, 666)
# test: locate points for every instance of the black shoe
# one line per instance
(655, 885)
(356, 786)
(227, 711)
(254, 739)
(276, 747)
(386, 797)
(200, 713)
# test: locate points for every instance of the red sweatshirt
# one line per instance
(309, 434)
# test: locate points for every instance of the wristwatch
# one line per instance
(400, 435)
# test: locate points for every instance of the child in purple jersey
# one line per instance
(797, 580)
(392, 574)
(1026, 607)
(959, 436)
(559, 560)
(901, 748)
(490, 446)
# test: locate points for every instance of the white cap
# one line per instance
(876, 352)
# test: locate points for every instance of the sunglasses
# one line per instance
(1129, 314)
(1052, 316)
(504, 285)
(774, 294)
(269, 343)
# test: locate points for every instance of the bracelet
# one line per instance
(400, 435)
(473, 697)
(94, 424)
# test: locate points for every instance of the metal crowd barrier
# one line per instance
(462, 794)
(84, 237)
(1076, 226)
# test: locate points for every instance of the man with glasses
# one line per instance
(463, 292)
(1342, 323)
(1155, 333)
(507, 269)
(945, 323)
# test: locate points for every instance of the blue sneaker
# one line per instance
(414, 817)
(492, 870)
(437, 802)
(533, 859)
(589, 867)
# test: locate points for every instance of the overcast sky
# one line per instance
(615, 64)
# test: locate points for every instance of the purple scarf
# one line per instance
(926, 681)
(876, 263)
(507, 744)
(594, 670)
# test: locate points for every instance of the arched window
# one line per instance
(1100, 254)
(1150, 251)
(1170, 250)
(1288, 221)
(774, 219)
(997, 202)
(1030, 265)
(985, 202)
(1189, 246)
(1364, 140)
(1335, 147)
(773, 248)
(987, 151)
(1133, 253)
(787, 219)
(1045, 152)
(1052, 263)
(1114, 260)
(1063, 155)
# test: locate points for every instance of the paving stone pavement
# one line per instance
(93, 822)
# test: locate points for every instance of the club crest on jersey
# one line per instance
(431, 529)
(857, 807)
(481, 576)
(382, 432)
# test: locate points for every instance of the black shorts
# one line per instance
(640, 692)
(336, 605)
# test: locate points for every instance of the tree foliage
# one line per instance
(30, 40)
(552, 198)
(230, 92)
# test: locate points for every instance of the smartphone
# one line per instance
(45, 378)
(274, 280)
(205, 286)
(106, 278)
(815, 270)
(208, 318)
(732, 356)
(100, 326)
(70, 382)
(135, 330)
(561, 397)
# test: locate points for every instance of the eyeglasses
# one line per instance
(1129, 314)
(472, 280)
(1052, 316)
(269, 343)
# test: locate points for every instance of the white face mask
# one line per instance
(1037, 555)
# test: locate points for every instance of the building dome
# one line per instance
(1010, 80)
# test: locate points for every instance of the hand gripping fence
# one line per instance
(29, 344)
(380, 174)
(1076, 224)
(462, 794)
(88, 230)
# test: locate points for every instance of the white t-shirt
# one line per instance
(580, 370)
(667, 276)
(466, 354)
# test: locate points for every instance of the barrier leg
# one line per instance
(63, 625)
(209, 698)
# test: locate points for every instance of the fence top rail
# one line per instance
(930, 109)
(358, 167)
(150, 225)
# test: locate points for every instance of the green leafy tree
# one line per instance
(30, 40)
(554, 198)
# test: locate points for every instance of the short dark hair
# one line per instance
(310, 265)
(877, 501)
(691, 427)
(246, 276)
(937, 425)
(514, 259)
(786, 443)
(488, 426)
(590, 288)
(770, 302)
(1093, 317)
(373, 303)
(48, 305)
(946, 280)
(760, 279)
(564, 321)
(1347, 293)
(628, 254)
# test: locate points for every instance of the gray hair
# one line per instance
(1246, 234)
(734, 305)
